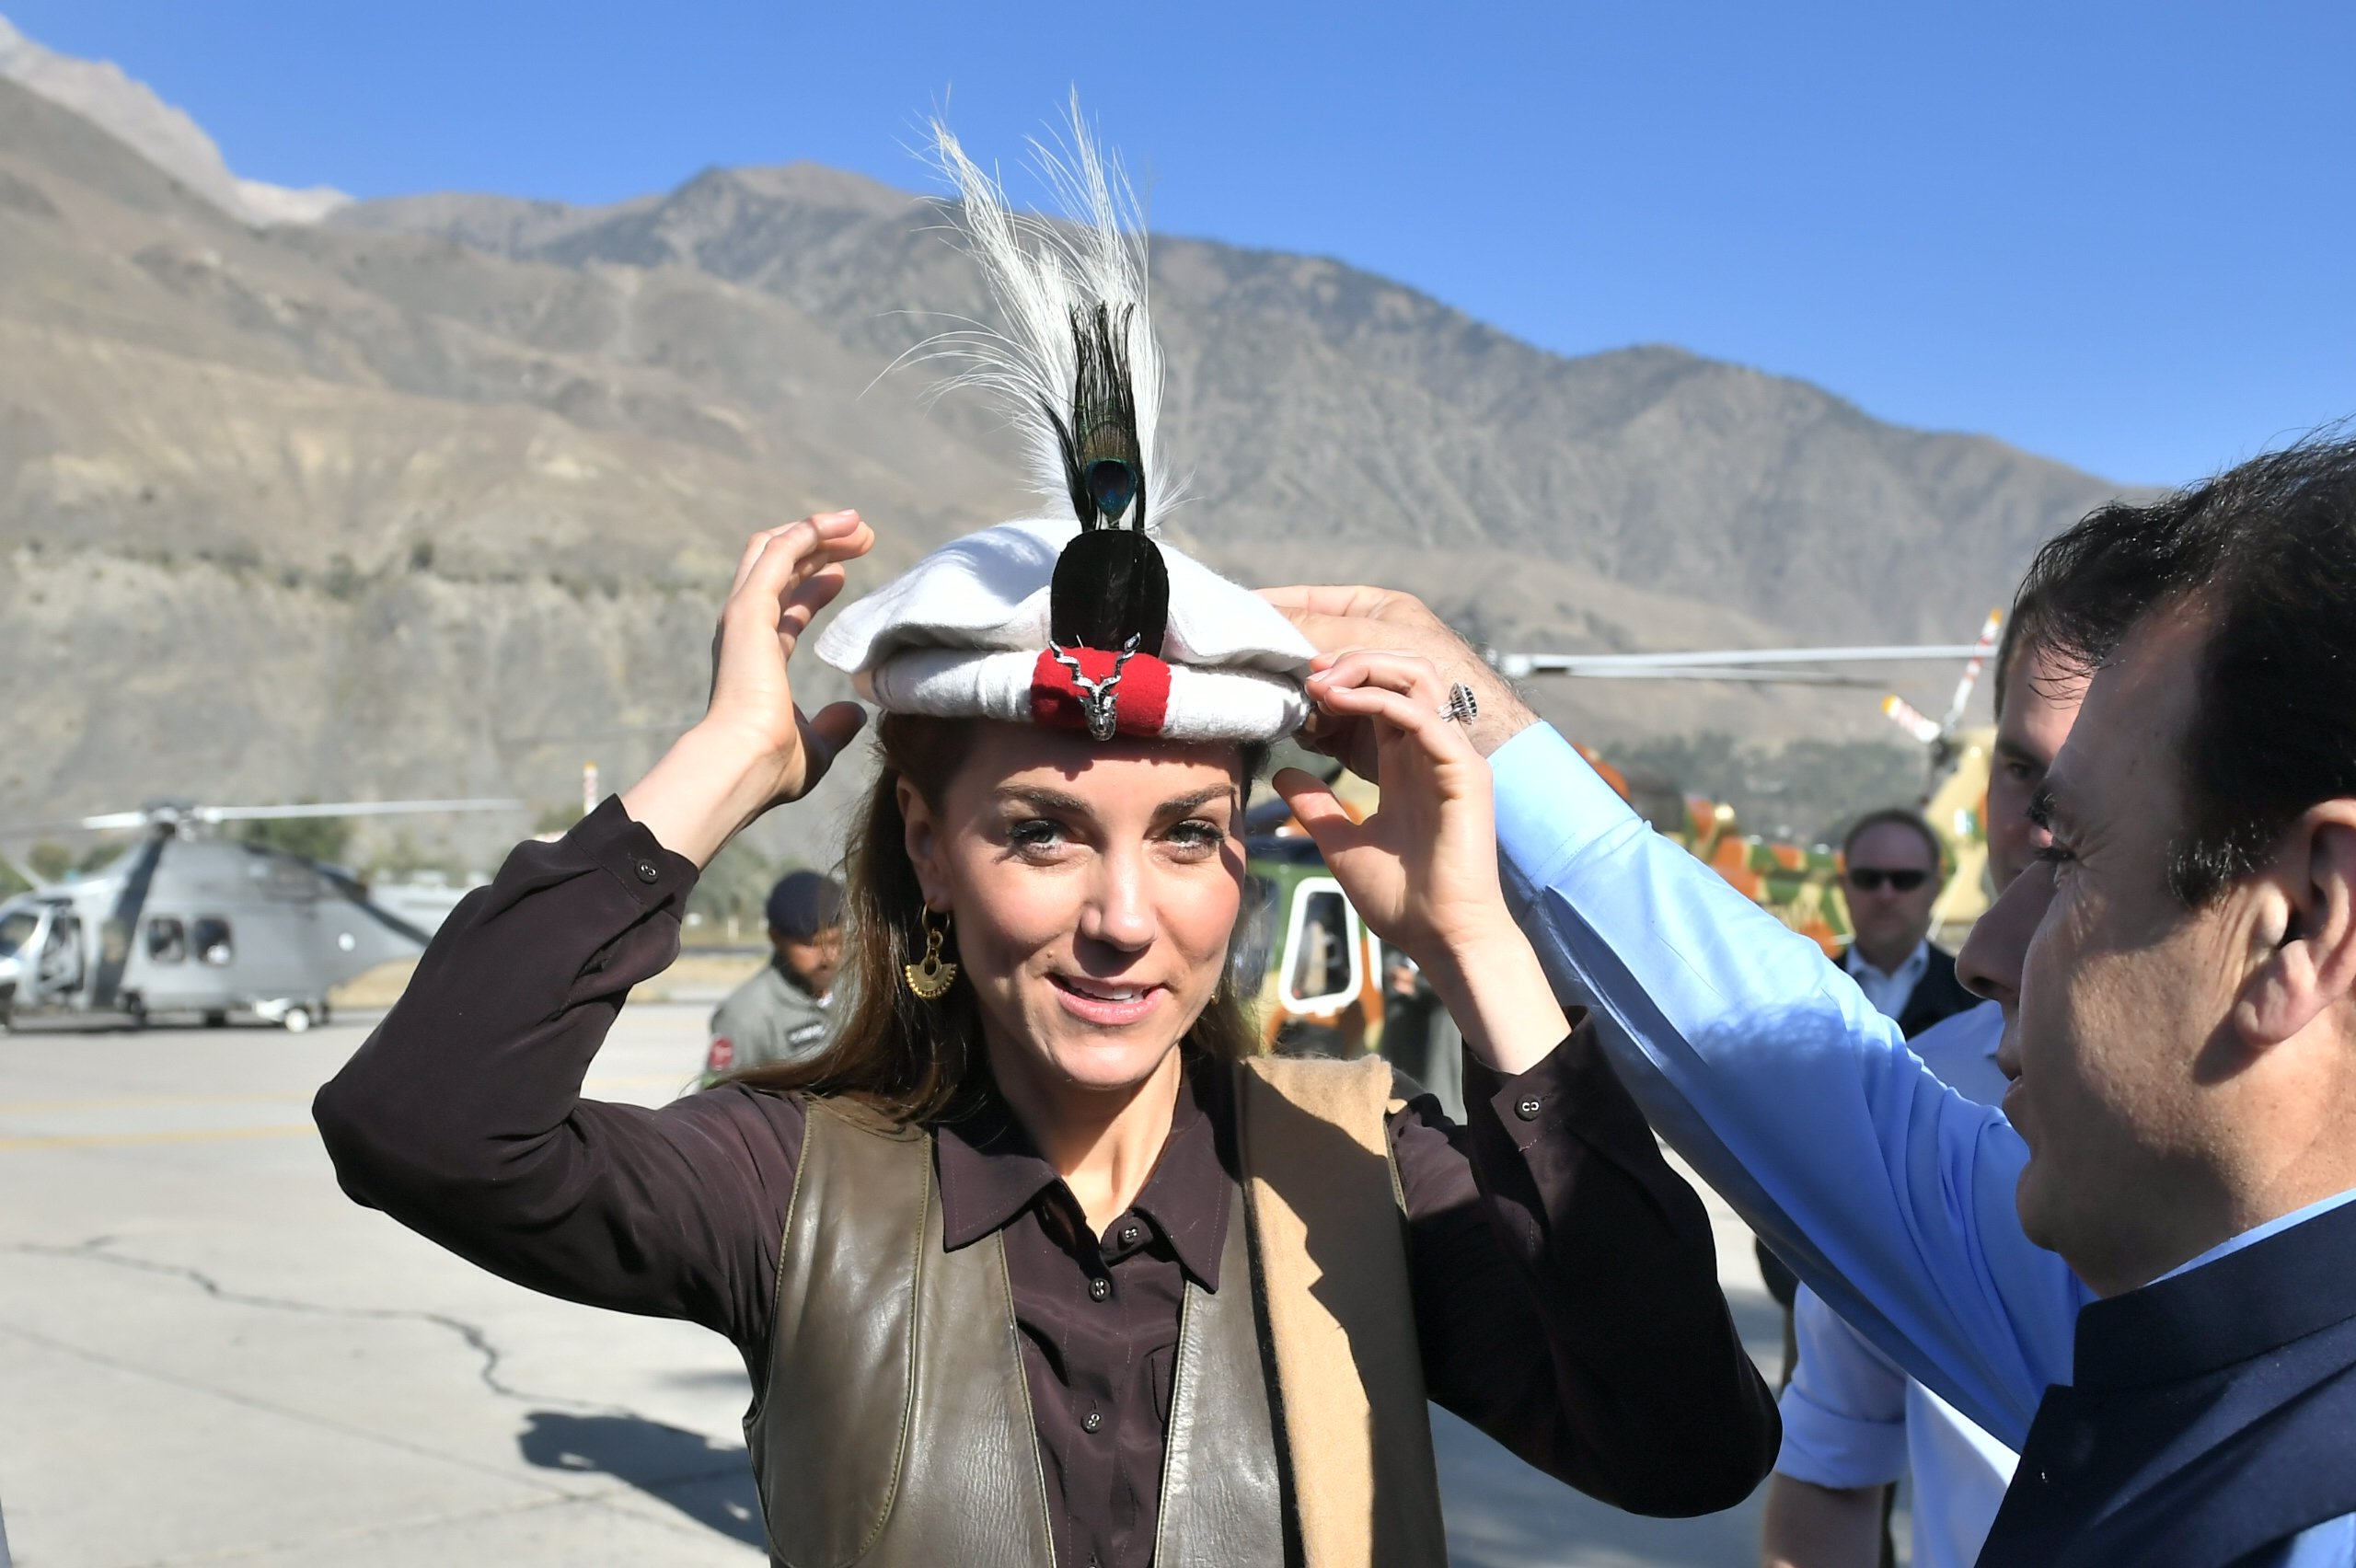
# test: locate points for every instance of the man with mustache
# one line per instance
(2145, 1277)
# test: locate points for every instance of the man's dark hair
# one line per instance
(1902, 816)
(2024, 630)
(2266, 551)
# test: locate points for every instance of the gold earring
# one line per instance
(930, 978)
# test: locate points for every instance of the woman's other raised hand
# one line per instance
(755, 748)
(1423, 870)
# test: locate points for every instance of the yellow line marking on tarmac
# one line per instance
(185, 1134)
(40, 1107)
(44, 1107)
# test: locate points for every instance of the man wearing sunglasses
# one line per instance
(1891, 862)
(1891, 871)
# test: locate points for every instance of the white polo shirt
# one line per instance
(1852, 1419)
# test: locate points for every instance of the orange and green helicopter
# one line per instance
(1320, 972)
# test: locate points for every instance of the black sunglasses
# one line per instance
(1869, 879)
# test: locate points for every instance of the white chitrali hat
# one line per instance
(1085, 621)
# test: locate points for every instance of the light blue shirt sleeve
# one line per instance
(1845, 1409)
(1763, 1064)
(2331, 1544)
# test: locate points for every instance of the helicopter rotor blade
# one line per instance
(347, 808)
(1735, 674)
(157, 815)
(1911, 720)
(1979, 651)
(1713, 664)
(75, 824)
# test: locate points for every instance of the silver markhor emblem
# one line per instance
(1097, 698)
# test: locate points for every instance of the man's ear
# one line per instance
(920, 835)
(2307, 916)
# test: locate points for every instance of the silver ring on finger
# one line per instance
(1461, 707)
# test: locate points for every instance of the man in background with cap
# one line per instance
(786, 1013)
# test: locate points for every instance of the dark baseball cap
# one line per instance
(804, 903)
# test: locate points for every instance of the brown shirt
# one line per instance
(1564, 1278)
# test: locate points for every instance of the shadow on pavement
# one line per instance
(1503, 1513)
(709, 1485)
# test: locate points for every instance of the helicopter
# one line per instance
(1955, 790)
(1800, 884)
(1318, 970)
(188, 922)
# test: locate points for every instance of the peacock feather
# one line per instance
(1076, 369)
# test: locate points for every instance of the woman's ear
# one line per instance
(920, 835)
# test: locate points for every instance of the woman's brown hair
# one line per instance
(908, 1059)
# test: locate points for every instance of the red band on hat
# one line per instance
(1141, 702)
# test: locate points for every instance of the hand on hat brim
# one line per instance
(1345, 619)
(1422, 870)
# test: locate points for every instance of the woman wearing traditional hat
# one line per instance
(1040, 1263)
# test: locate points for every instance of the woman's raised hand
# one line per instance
(1423, 870)
(755, 748)
(786, 577)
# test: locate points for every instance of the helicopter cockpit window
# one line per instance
(209, 937)
(286, 878)
(61, 956)
(16, 929)
(1322, 962)
(167, 939)
(1255, 934)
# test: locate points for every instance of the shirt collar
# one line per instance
(2285, 1282)
(2274, 1227)
(990, 1173)
(1915, 963)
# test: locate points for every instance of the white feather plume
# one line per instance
(1042, 270)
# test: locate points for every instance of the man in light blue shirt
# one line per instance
(2180, 982)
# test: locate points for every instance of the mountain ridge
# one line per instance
(160, 132)
(1425, 348)
(377, 505)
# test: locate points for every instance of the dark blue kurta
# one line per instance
(2213, 1415)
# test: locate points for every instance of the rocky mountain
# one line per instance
(166, 136)
(1324, 407)
(438, 497)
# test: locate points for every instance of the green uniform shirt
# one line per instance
(767, 1020)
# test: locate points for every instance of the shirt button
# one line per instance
(1091, 1420)
(1097, 1289)
(1528, 1107)
(1128, 1235)
(646, 872)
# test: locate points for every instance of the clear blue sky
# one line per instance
(2119, 234)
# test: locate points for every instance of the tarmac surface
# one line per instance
(210, 1355)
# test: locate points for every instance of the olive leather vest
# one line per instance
(894, 1429)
